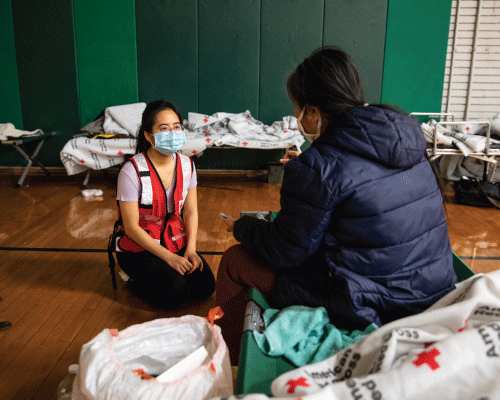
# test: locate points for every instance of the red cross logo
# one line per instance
(293, 383)
(245, 144)
(285, 131)
(82, 161)
(208, 140)
(429, 358)
(120, 153)
(194, 152)
(205, 120)
(467, 128)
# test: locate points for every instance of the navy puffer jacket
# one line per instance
(361, 230)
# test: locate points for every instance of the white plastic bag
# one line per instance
(107, 362)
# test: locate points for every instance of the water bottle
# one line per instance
(66, 386)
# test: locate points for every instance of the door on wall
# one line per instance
(472, 77)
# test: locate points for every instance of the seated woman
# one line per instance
(158, 214)
(361, 230)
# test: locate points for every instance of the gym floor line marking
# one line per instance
(217, 253)
(58, 249)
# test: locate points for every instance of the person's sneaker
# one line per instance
(125, 278)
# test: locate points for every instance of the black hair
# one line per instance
(328, 79)
(149, 119)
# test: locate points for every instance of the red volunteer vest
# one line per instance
(167, 229)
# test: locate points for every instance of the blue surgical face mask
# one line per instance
(168, 142)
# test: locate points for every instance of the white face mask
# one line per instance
(309, 137)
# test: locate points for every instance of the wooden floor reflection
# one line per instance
(57, 301)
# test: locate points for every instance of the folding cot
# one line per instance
(256, 371)
(33, 158)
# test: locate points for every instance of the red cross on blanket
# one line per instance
(429, 358)
(293, 383)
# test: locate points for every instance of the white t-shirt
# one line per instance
(129, 185)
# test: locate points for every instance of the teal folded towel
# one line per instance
(304, 335)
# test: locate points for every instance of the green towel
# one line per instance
(304, 335)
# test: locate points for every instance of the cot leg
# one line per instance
(86, 180)
(113, 276)
(30, 161)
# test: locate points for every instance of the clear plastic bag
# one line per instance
(120, 365)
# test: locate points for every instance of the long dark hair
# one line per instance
(328, 79)
(148, 120)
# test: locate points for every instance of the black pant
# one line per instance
(155, 281)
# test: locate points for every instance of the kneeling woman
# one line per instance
(158, 214)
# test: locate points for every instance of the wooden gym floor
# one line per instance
(58, 300)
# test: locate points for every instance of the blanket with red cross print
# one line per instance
(450, 351)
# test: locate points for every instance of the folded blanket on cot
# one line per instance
(8, 132)
(468, 138)
(81, 154)
(450, 351)
(304, 335)
(238, 130)
(124, 119)
(202, 131)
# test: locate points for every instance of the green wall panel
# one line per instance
(47, 72)
(415, 54)
(106, 55)
(10, 106)
(358, 27)
(10, 110)
(228, 48)
(290, 31)
(167, 52)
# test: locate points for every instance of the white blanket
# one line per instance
(81, 153)
(450, 351)
(124, 119)
(238, 130)
(9, 131)
(468, 138)
(202, 132)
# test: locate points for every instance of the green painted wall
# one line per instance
(45, 49)
(10, 106)
(167, 52)
(106, 55)
(358, 27)
(415, 54)
(10, 110)
(228, 49)
(73, 58)
(290, 31)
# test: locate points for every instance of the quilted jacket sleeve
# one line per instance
(298, 230)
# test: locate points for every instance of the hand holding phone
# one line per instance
(290, 155)
(229, 221)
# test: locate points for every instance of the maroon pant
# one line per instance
(238, 271)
